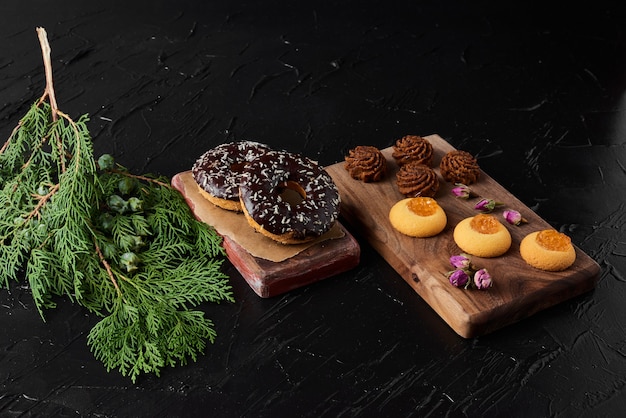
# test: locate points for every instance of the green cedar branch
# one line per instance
(124, 246)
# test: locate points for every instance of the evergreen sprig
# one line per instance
(124, 246)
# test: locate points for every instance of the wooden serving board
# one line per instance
(268, 278)
(519, 290)
(321, 261)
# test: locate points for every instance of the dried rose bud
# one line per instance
(513, 217)
(482, 279)
(460, 261)
(462, 191)
(486, 205)
(458, 278)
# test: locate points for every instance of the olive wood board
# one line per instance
(267, 278)
(518, 290)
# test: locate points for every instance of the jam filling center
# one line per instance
(423, 206)
(485, 224)
(553, 240)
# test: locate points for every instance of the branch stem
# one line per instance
(107, 267)
(46, 52)
(42, 202)
(139, 177)
(47, 63)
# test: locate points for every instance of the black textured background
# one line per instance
(535, 91)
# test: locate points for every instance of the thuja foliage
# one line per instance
(124, 246)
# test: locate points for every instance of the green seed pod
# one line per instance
(117, 204)
(129, 261)
(106, 162)
(126, 185)
(106, 221)
(135, 204)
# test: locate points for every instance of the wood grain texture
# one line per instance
(519, 290)
(267, 278)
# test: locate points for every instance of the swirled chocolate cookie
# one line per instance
(416, 179)
(366, 163)
(459, 167)
(413, 148)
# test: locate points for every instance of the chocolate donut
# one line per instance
(217, 172)
(288, 197)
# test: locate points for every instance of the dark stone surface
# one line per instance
(536, 92)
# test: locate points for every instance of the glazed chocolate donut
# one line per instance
(288, 197)
(217, 172)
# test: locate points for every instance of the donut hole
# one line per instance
(291, 192)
